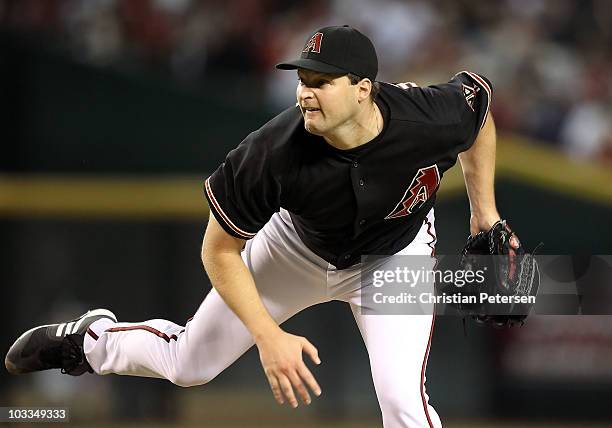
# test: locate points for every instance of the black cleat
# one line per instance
(54, 346)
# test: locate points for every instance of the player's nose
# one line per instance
(304, 93)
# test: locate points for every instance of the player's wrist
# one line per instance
(265, 332)
(483, 222)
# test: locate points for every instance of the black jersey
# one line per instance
(371, 199)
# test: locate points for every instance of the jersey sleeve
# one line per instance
(462, 102)
(244, 191)
(473, 92)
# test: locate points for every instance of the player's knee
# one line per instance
(404, 404)
(186, 377)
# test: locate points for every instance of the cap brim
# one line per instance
(311, 64)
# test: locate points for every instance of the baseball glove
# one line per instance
(510, 277)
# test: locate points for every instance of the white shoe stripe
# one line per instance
(60, 327)
(69, 328)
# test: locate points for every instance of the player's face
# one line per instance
(327, 101)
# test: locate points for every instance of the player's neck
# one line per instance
(357, 131)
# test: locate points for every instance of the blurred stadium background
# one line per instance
(114, 111)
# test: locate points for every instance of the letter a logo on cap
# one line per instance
(314, 44)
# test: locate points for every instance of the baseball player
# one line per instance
(352, 169)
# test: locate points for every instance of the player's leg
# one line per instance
(54, 346)
(288, 279)
(398, 348)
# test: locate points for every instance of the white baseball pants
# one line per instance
(289, 278)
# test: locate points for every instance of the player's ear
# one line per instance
(364, 87)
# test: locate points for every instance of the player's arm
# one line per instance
(280, 352)
(478, 164)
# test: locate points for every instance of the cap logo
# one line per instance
(314, 44)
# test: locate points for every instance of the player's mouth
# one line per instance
(310, 110)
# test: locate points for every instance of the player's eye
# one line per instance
(312, 84)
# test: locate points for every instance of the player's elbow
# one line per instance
(212, 257)
(204, 254)
(217, 243)
(208, 259)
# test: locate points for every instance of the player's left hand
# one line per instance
(281, 358)
(508, 272)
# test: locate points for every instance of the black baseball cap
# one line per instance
(339, 50)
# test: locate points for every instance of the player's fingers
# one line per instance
(299, 386)
(276, 390)
(309, 379)
(285, 386)
(311, 351)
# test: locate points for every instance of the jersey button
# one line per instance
(362, 222)
(361, 182)
(348, 256)
(355, 164)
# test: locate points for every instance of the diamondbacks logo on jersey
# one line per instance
(314, 44)
(470, 92)
(423, 186)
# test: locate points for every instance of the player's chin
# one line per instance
(313, 127)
